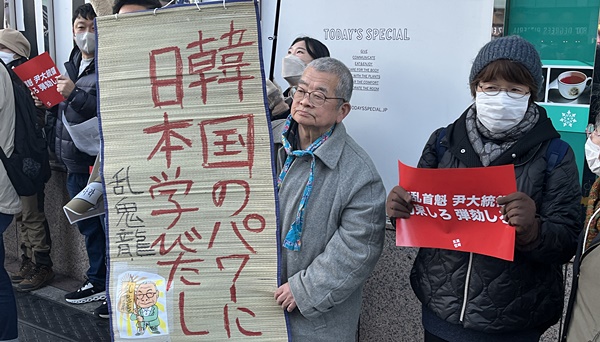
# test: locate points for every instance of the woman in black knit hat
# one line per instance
(473, 297)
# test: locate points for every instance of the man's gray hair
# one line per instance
(335, 67)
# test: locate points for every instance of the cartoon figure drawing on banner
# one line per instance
(146, 312)
(139, 304)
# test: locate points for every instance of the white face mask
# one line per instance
(86, 41)
(592, 153)
(500, 112)
(292, 69)
(7, 57)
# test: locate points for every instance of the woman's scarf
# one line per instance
(489, 145)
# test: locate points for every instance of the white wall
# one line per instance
(420, 74)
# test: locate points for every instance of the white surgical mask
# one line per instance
(592, 153)
(7, 57)
(292, 69)
(86, 41)
(501, 112)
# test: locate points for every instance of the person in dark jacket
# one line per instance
(78, 87)
(472, 297)
(36, 264)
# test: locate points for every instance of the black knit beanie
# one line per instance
(513, 48)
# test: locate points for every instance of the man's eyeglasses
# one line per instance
(316, 98)
(148, 295)
(492, 90)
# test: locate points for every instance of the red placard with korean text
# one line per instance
(190, 194)
(456, 209)
(39, 74)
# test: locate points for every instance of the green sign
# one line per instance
(564, 33)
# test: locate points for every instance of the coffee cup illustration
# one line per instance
(572, 83)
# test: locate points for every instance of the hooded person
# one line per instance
(14, 47)
(473, 297)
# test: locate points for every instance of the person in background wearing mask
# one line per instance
(78, 87)
(14, 47)
(471, 297)
(303, 51)
(9, 206)
(582, 322)
(36, 265)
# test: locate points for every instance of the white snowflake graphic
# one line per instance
(568, 118)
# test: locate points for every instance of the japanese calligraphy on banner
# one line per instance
(39, 75)
(456, 209)
(187, 171)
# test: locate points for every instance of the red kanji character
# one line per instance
(175, 265)
(184, 327)
(249, 217)
(170, 188)
(239, 325)
(168, 130)
(221, 187)
(218, 151)
(159, 81)
(201, 62)
(237, 322)
(191, 235)
(234, 60)
(244, 259)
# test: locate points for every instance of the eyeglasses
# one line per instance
(591, 129)
(316, 98)
(148, 295)
(492, 90)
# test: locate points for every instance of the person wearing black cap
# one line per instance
(472, 297)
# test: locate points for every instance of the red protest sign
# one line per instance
(456, 209)
(39, 74)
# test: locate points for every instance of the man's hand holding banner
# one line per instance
(456, 209)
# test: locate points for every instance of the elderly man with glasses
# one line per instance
(331, 202)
